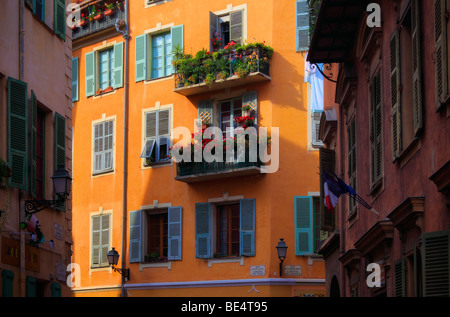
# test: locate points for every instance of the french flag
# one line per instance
(332, 191)
(330, 198)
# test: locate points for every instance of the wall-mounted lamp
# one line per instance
(61, 187)
(113, 259)
(281, 249)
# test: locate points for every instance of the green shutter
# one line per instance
(396, 120)
(205, 111)
(7, 283)
(118, 66)
(135, 223)
(75, 79)
(17, 133)
(302, 25)
(400, 278)
(60, 18)
(203, 230)
(31, 286)
(177, 37)
(90, 74)
(417, 67)
(33, 144)
(141, 51)
(174, 233)
(60, 148)
(237, 26)
(247, 227)
(436, 264)
(303, 225)
(251, 99)
(376, 129)
(440, 34)
(56, 289)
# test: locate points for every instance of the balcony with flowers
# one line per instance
(234, 156)
(95, 16)
(234, 65)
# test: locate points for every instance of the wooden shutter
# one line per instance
(118, 66)
(39, 9)
(302, 25)
(135, 221)
(56, 289)
(108, 143)
(237, 26)
(98, 147)
(75, 79)
(151, 134)
(303, 225)
(163, 134)
(376, 129)
(7, 283)
(400, 278)
(60, 18)
(101, 226)
(396, 127)
(247, 227)
(174, 233)
(205, 111)
(104, 246)
(203, 230)
(17, 133)
(60, 140)
(95, 242)
(141, 51)
(212, 29)
(90, 74)
(33, 144)
(327, 163)
(440, 42)
(31, 286)
(251, 99)
(436, 264)
(176, 33)
(352, 161)
(417, 66)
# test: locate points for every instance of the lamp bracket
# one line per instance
(35, 206)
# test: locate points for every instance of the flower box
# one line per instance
(98, 16)
(109, 12)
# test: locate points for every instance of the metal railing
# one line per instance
(202, 168)
(98, 25)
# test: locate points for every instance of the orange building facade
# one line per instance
(192, 229)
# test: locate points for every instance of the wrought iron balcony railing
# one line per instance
(90, 27)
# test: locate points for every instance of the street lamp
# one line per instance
(113, 259)
(281, 249)
(61, 187)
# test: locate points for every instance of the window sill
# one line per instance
(376, 189)
(239, 260)
(149, 3)
(352, 218)
(146, 265)
(99, 174)
(157, 164)
(412, 148)
(104, 94)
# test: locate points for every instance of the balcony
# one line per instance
(191, 172)
(97, 16)
(236, 65)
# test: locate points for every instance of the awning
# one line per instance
(335, 30)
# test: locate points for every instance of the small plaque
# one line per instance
(293, 270)
(58, 231)
(258, 270)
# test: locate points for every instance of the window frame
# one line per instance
(165, 55)
(109, 70)
(113, 150)
(215, 27)
(100, 214)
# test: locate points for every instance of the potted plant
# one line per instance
(107, 89)
(98, 15)
(216, 42)
(119, 5)
(109, 9)
(83, 20)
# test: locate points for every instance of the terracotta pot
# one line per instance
(109, 12)
(98, 16)
(82, 23)
(107, 89)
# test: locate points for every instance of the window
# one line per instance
(161, 232)
(75, 81)
(229, 110)
(104, 69)
(441, 31)
(162, 55)
(225, 230)
(315, 126)
(228, 25)
(154, 53)
(376, 131)
(157, 136)
(351, 141)
(100, 242)
(103, 147)
(406, 85)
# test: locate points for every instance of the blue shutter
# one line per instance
(90, 74)
(303, 225)
(141, 51)
(135, 221)
(174, 233)
(17, 132)
(31, 286)
(7, 283)
(247, 227)
(75, 80)
(176, 33)
(302, 25)
(118, 66)
(203, 230)
(56, 289)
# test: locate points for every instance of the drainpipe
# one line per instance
(22, 274)
(125, 137)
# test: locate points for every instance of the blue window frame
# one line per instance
(106, 68)
(162, 55)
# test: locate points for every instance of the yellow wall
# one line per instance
(282, 102)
